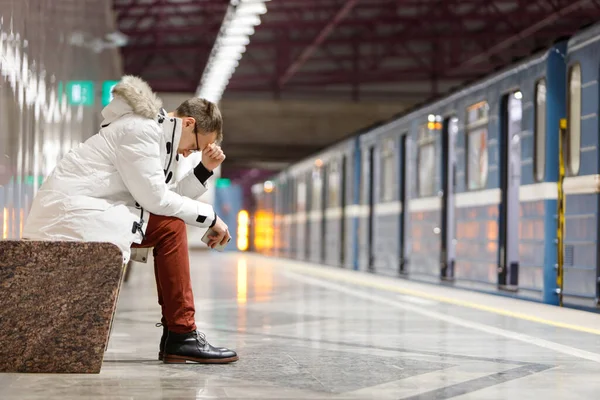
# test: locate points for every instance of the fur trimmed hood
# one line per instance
(132, 95)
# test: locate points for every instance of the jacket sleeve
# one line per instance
(137, 159)
(193, 184)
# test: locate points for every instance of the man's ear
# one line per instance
(189, 121)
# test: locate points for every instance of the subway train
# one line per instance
(493, 188)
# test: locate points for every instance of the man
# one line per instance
(118, 187)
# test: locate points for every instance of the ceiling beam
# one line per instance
(400, 74)
(321, 37)
(267, 57)
(196, 31)
(133, 6)
(340, 93)
(279, 5)
(525, 33)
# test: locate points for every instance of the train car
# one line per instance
(581, 186)
(458, 188)
(322, 191)
(468, 190)
(311, 207)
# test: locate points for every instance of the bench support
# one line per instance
(57, 302)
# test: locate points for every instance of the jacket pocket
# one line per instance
(79, 203)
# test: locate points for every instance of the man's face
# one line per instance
(193, 139)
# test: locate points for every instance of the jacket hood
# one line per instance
(132, 95)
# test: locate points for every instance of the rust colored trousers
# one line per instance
(168, 236)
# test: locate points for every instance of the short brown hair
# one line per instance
(207, 115)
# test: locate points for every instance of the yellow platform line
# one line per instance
(448, 300)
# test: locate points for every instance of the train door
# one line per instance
(307, 221)
(323, 221)
(342, 194)
(510, 181)
(450, 130)
(285, 212)
(402, 269)
(371, 199)
(355, 181)
(275, 207)
(300, 220)
(291, 212)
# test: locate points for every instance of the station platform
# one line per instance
(304, 331)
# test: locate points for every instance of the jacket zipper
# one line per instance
(138, 225)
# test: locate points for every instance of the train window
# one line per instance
(477, 153)
(365, 176)
(301, 196)
(317, 188)
(426, 157)
(574, 120)
(540, 129)
(387, 170)
(333, 184)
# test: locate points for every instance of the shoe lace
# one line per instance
(201, 337)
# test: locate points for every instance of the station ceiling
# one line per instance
(404, 51)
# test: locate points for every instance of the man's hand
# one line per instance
(212, 157)
(222, 236)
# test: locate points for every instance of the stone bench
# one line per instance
(57, 303)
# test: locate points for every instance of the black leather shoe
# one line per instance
(163, 338)
(193, 347)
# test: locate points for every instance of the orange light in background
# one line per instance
(5, 224)
(319, 163)
(242, 230)
(242, 281)
(263, 231)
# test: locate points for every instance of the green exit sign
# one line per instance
(29, 180)
(223, 183)
(80, 93)
(107, 88)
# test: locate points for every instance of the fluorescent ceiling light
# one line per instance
(234, 41)
(238, 25)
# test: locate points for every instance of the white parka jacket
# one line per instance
(104, 189)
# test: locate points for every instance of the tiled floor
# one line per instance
(308, 332)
